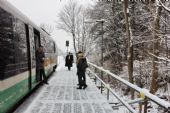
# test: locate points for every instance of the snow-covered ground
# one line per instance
(61, 96)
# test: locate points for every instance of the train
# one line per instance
(19, 40)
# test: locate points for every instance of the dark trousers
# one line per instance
(42, 74)
(82, 78)
(69, 67)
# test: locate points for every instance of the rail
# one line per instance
(143, 92)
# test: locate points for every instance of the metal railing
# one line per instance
(144, 93)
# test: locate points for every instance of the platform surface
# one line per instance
(61, 96)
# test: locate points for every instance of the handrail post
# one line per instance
(107, 94)
(145, 105)
(95, 76)
(108, 82)
(101, 82)
(89, 73)
(95, 80)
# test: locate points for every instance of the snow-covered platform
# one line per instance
(61, 96)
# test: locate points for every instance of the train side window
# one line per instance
(52, 46)
(13, 46)
(43, 41)
(6, 42)
(20, 47)
(32, 46)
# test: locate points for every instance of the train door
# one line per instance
(28, 55)
(37, 45)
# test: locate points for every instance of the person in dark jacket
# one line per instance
(69, 61)
(81, 69)
(40, 58)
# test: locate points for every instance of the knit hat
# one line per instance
(80, 52)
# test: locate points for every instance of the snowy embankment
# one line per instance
(142, 91)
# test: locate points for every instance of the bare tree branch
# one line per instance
(166, 8)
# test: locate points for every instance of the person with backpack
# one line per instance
(81, 69)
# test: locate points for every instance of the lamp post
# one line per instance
(102, 23)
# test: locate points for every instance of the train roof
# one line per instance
(4, 4)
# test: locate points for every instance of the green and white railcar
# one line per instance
(19, 40)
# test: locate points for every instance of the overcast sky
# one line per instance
(45, 11)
